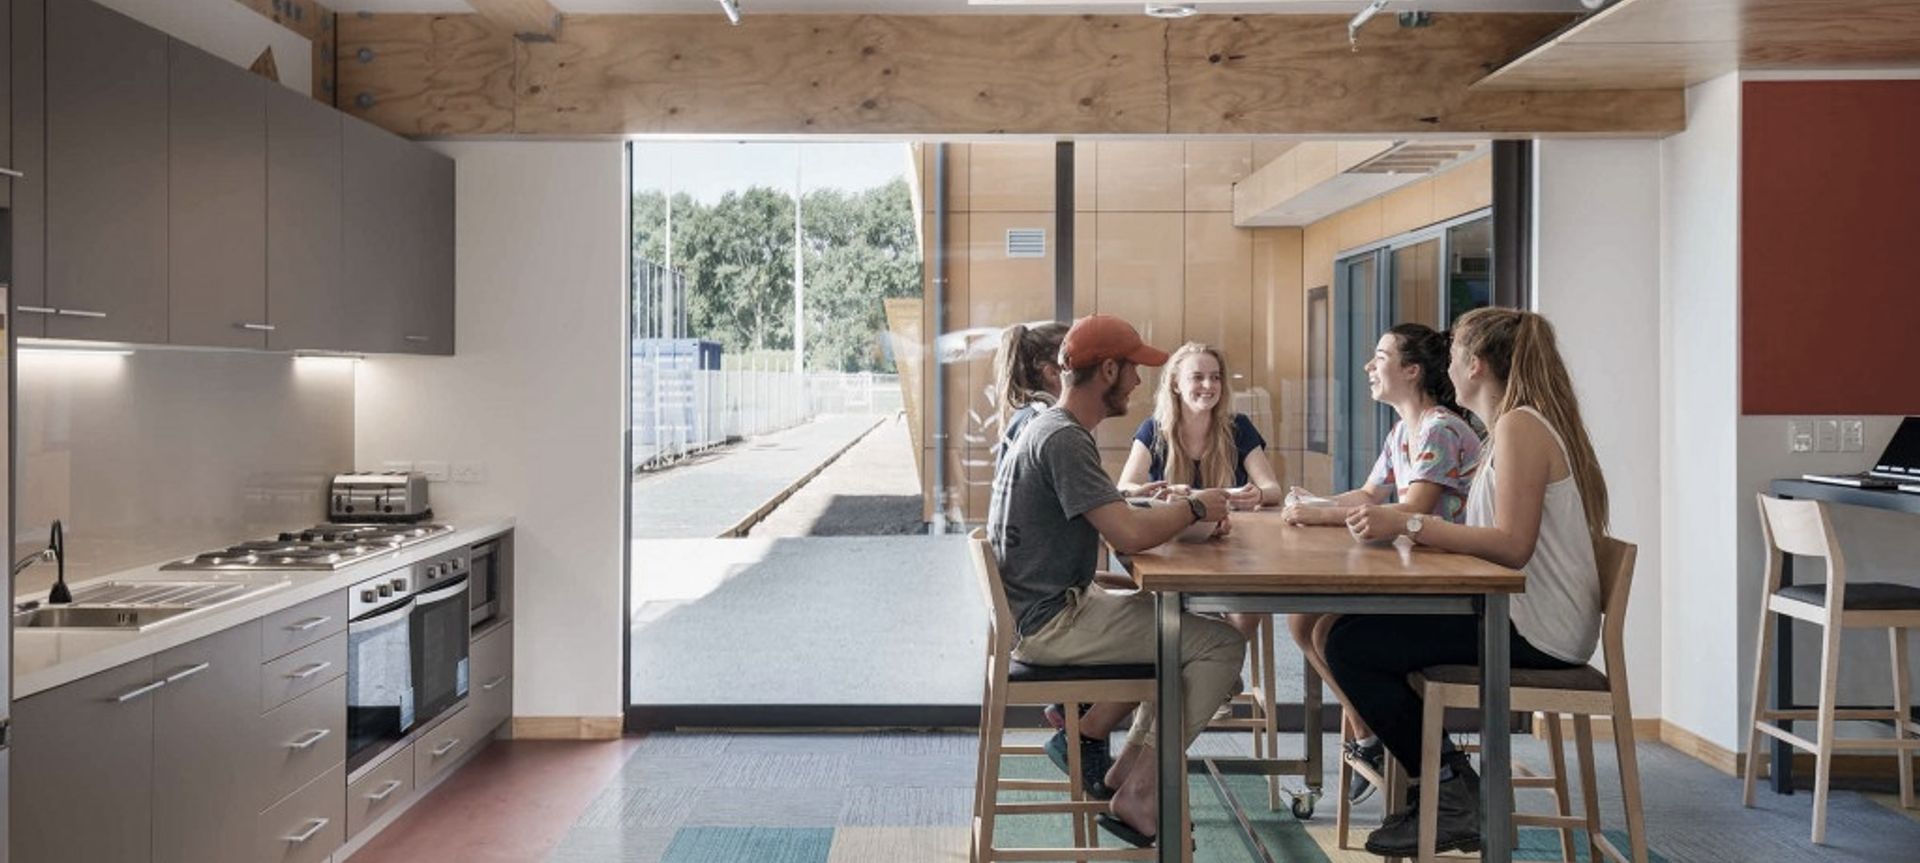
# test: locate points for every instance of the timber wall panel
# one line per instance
(427, 74)
(1141, 176)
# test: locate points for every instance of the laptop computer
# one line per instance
(1898, 467)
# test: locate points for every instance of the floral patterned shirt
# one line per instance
(1443, 450)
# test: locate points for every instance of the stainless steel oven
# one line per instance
(483, 582)
(440, 633)
(381, 705)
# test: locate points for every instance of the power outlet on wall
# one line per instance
(396, 466)
(436, 471)
(1853, 435)
(1826, 436)
(1800, 436)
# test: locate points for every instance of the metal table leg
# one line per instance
(1170, 733)
(1781, 776)
(1496, 780)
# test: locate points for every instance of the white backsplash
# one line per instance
(164, 453)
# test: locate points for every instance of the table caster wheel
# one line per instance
(1303, 806)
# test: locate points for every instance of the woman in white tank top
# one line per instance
(1536, 504)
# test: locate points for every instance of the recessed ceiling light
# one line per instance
(1170, 10)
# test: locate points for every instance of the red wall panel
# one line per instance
(1830, 247)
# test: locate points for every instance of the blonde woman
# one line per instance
(1537, 502)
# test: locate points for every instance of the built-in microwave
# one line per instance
(485, 574)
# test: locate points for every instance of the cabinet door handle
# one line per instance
(386, 790)
(183, 674)
(314, 736)
(415, 338)
(79, 313)
(259, 328)
(489, 685)
(37, 310)
(13, 173)
(308, 624)
(309, 671)
(317, 825)
(136, 692)
(446, 747)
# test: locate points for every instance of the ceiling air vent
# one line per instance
(1026, 242)
(1411, 157)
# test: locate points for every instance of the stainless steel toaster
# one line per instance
(389, 496)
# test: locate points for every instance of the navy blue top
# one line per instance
(1246, 439)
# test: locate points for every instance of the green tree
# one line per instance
(860, 249)
(738, 257)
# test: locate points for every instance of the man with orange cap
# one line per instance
(1052, 504)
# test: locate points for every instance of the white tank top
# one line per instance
(1560, 611)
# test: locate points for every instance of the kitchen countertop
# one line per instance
(46, 658)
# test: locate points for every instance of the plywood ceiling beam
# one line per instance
(965, 75)
(524, 17)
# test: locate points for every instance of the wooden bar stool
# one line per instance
(1804, 527)
(1584, 692)
(1010, 683)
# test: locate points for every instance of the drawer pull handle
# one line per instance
(80, 313)
(308, 624)
(132, 694)
(37, 310)
(446, 747)
(314, 736)
(313, 827)
(489, 685)
(386, 790)
(258, 328)
(309, 671)
(413, 338)
(13, 173)
(183, 674)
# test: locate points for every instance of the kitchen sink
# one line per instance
(98, 617)
(135, 605)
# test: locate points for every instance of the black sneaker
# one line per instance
(1375, 757)
(1095, 761)
(1457, 827)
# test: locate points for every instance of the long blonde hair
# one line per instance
(1018, 378)
(1220, 459)
(1520, 349)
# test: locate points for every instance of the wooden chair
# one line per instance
(1803, 527)
(1584, 692)
(1009, 683)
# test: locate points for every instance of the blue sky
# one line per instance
(708, 169)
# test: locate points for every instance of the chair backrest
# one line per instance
(1804, 528)
(1616, 561)
(986, 572)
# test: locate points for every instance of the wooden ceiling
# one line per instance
(1662, 44)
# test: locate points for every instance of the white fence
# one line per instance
(679, 413)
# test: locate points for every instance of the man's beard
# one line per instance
(1116, 400)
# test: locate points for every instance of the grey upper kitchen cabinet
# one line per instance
(6, 106)
(83, 769)
(305, 297)
(107, 167)
(217, 195)
(26, 65)
(206, 774)
(398, 243)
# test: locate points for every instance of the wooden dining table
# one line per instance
(1268, 566)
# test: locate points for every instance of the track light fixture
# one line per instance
(732, 8)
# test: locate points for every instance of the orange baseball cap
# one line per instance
(1095, 339)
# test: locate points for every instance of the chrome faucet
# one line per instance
(55, 553)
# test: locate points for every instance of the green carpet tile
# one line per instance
(758, 844)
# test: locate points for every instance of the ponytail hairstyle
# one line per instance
(1421, 346)
(1019, 376)
(1220, 459)
(1520, 350)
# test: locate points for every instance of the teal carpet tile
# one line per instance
(758, 844)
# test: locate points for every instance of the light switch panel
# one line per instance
(399, 466)
(1800, 436)
(436, 471)
(1853, 435)
(1826, 436)
(469, 471)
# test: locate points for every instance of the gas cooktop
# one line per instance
(323, 546)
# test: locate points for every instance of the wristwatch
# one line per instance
(1199, 509)
(1413, 527)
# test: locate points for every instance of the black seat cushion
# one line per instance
(1586, 678)
(1864, 596)
(1021, 672)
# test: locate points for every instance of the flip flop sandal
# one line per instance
(1127, 834)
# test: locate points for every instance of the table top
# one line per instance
(1266, 555)
(1877, 498)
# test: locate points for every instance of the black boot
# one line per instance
(1375, 757)
(1457, 827)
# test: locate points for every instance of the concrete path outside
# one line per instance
(715, 491)
(871, 490)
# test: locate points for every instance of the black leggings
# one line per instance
(1371, 655)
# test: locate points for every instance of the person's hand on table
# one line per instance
(1222, 529)
(1245, 497)
(1213, 499)
(1155, 489)
(1168, 491)
(1376, 523)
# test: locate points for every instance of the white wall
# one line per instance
(1596, 276)
(229, 31)
(535, 394)
(1699, 428)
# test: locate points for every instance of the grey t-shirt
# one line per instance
(1042, 490)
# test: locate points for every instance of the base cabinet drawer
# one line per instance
(302, 671)
(300, 739)
(380, 791)
(286, 631)
(438, 749)
(492, 695)
(308, 826)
